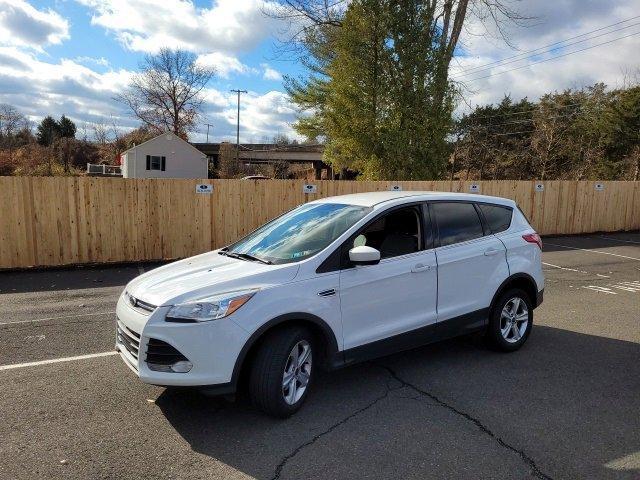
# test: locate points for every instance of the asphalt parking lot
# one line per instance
(567, 405)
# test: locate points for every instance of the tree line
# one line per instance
(376, 92)
(588, 133)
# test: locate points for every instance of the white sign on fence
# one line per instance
(599, 187)
(474, 188)
(395, 188)
(204, 188)
(309, 188)
(539, 187)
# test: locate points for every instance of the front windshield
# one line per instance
(300, 233)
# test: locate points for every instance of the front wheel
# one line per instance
(282, 371)
(510, 321)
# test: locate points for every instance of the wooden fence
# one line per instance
(57, 221)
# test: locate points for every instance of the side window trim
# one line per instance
(428, 227)
(483, 221)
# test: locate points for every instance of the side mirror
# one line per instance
(364, 255)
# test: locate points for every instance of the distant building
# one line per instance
(165, 156)
(169, 156)
(268, 153)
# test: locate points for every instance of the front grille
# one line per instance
(161, 355)
(128, 339)
(137, 304)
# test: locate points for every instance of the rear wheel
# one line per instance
(510, 321)
(282, 371)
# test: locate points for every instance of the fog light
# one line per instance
(181, 367)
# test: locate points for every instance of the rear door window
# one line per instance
(498, 217)
(457, 222)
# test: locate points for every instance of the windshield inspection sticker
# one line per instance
(309, 189)
(204, 188)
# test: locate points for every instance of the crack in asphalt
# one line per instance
(297, 450)
(535, 470)
(483, 428)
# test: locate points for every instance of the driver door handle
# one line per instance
(420, 267)
(491, 251)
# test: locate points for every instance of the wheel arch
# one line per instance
(331, 357)
(523, 281)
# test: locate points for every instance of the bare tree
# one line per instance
(11, 122)
(100, 134)
(167, 93)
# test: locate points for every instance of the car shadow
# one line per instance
(71, 278)
(567, 401)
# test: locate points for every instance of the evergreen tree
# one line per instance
(378, 89)
(48, 130)
(66, 128)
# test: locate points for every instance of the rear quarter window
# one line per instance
(498, 217)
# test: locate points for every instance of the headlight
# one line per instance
(210, 308)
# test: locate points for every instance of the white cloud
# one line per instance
(38, 88)
(261, 116)
(270, 73)
(23, 25)
(102, 62)
(554, 21)
(231, 26)
(224, 65)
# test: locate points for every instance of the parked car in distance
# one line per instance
(256, 177)
(331, 283)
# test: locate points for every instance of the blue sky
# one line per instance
(80, 54)
(73, 56)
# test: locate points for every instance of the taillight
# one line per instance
(533, 238)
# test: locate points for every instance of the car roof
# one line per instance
(371, 199)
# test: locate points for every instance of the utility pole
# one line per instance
(208, 125)
(238, 125)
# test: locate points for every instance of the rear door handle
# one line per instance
(491, 251)
(420, 267)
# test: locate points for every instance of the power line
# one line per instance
(527, 53)
(554, 58)
(509, 114)
(516, 122)
(476, 70)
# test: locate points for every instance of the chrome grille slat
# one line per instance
(128, 339)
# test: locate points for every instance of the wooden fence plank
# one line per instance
(56, 221)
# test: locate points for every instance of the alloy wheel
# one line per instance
(514, 319)
(297, 372)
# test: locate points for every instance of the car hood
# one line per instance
(203, 275)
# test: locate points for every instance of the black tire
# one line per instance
(266, 377)
(494, 335)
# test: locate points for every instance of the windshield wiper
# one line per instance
(244, 256)
(253, 258)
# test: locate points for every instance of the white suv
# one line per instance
(330, 283)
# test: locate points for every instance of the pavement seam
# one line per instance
(483, 428)
(298, 449)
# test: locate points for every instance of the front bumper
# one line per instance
(212, 347)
